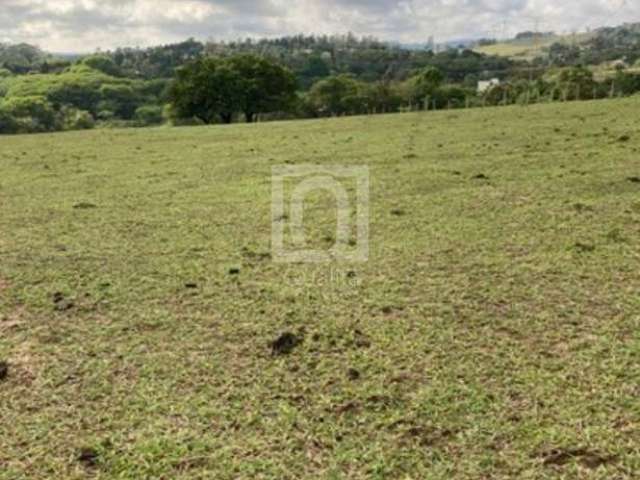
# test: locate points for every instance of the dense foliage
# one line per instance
(23, 59)
(75, 98)
(297, 77)
(208, 88)
(605, 45)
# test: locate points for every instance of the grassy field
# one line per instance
(492, 334)
(530, 48)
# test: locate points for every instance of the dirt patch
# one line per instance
(349, 407)
(587, 458)
(353, 374)
(428, 437)
(88, 457)
(285, 344)
(12, 320)
(23, 364)
(84, 206)
(584, 247)
(61, 303)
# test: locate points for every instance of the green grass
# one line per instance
(492, 334)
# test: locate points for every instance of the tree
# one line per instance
(209, 87)
(562, 54)
(75, 92)
(102, 63)
(122, 100)
(313, 69)
(578, 83)
(205, 89)
(424, 84)
(335, 95)
(383, 97)
(627, 83)
(264, 85)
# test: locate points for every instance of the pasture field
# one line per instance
(531, 48)
(493, 333)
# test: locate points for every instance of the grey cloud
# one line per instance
(80, 25)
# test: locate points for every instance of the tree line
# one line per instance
(291, 77)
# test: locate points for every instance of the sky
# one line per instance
(75, 26)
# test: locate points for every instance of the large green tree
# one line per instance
(211, 88)
(264, 86)
(206, 89)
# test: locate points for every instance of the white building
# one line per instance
(486, 85)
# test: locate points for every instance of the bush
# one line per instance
(149, 115)
(80, 95)
(74, 119)
(103, 64)
(8, 123)
(120, 99)
(105, 115)
(337, 95)
(31, 114)
(451, 96)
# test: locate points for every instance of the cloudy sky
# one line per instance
(85, 25)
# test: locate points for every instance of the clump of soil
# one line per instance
(60, 303)
(285, 344)
(584, 247)
(88, 457)
(84, 206)
(587, 458)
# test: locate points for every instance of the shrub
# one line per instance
(105, 115)
(103, 64)
(8, 123)
(149, 115)
(74, 119)
(80, 95)
(120, 99)
(31, 114)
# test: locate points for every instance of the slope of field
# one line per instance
(530, 48)
(492, 334)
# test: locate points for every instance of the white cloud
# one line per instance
(81, 25)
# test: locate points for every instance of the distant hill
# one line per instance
(529, 47)
(607, 44)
